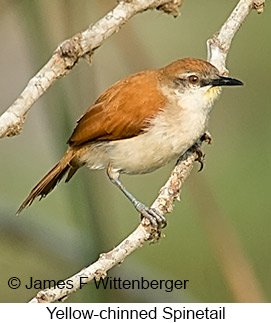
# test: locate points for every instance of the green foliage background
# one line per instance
(218, 236)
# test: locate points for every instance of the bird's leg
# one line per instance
(157, 220)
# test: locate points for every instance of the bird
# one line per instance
(140, 124)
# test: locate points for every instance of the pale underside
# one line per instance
(168, 136)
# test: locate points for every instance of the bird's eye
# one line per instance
(193, 79)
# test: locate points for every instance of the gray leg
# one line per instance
(156, 219)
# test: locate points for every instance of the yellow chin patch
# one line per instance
(213, 93)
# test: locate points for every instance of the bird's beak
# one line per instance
(222, 81)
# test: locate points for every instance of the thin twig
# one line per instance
(218, 46)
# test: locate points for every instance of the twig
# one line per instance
(70, 51)
(219, 45)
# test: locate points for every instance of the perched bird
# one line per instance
(140, 124)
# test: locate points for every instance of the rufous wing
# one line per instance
(122, 111)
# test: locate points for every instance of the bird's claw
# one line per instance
(200, 158)
(207, 138)
(157, 220)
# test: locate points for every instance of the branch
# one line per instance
(218, 48)
(70, 51)
(144, 232)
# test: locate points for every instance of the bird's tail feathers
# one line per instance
(50, 180)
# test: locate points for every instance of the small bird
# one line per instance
(139, 124)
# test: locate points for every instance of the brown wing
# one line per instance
(122, 111)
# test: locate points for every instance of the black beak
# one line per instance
(222, 81)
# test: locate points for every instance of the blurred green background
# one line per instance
(218, 236)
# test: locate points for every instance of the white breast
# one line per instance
(171, 134)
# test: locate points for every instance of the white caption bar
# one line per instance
(136, 312)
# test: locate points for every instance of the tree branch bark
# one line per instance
(218, 46)
(68, 54)
(144, 232)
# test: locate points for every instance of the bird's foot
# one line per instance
(157, 220)
(200, 158)
(207, 138)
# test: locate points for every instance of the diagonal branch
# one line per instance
(70, 51)
(144, 232)
(218, 46)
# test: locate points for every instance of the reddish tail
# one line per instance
(49, 181)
